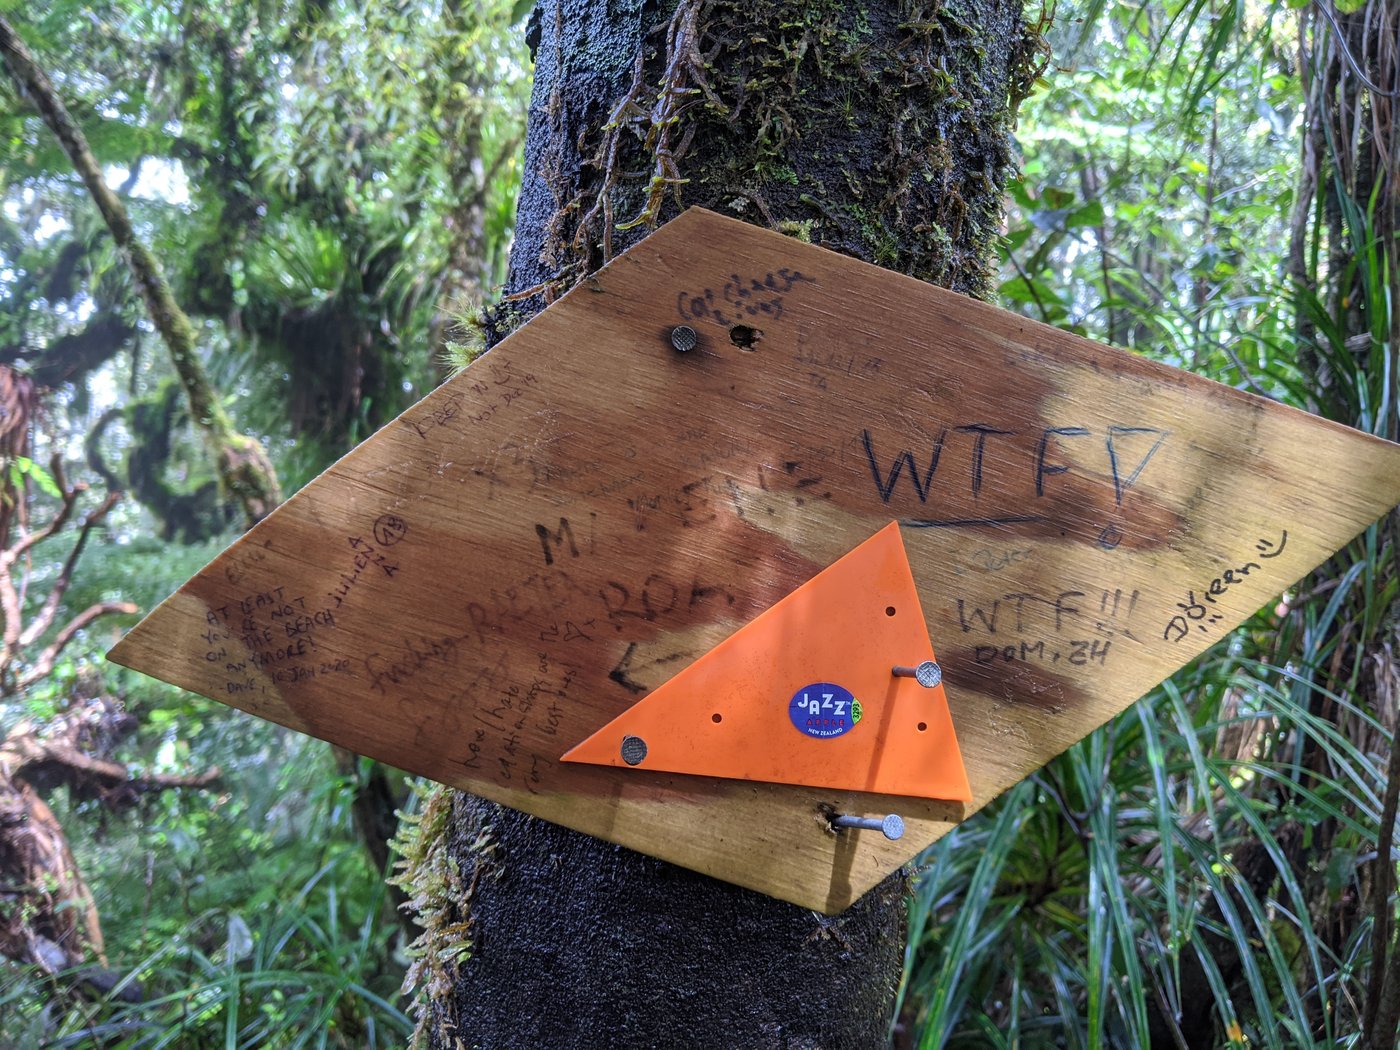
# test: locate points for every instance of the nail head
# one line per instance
(892, 826)
(634, 749)
(928, 674)
(683, 338)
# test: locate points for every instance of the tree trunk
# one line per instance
(1345, 255)
(244, 470)
(881, 131)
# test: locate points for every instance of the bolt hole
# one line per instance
(744, 337)
(717, 718)
(923, 726)
(889, 610)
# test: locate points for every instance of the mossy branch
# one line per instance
(243, 466)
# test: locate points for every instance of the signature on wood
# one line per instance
(1026, 627)
(1201, 613)
(741, 299)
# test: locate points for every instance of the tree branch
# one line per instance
(71, 357)
(503, 156)
(112, 774)
(242, 463)
(44, 664)
(45, 616)
(10, 555)
(10, 606)
(12, 598)
(59, 754)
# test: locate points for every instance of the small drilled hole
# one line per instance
(889, 610)
(717, 718)
(923, 726)
(744, 337)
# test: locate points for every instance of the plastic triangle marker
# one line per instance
(805, 694)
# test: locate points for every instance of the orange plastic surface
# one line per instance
(727, 714)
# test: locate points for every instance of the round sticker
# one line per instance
(824, 710)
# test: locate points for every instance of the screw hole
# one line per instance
(889, 610)
(716, 718)
(923, 726)
(744, 337)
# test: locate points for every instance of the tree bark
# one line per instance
(1345, 249)
(877, 130)
(242, 464)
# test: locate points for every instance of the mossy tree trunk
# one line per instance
(881, 130)
(244, 470)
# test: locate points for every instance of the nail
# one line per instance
(634, 749)
(683, 338)
(928, 674)
(892, 826)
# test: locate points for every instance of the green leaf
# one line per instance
(1089, 214)
(41, 477)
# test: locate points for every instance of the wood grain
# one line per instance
(558, 530)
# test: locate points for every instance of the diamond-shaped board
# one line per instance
(586, 510)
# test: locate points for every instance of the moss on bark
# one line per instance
(242, 464)
(877, 130)
(880, 130)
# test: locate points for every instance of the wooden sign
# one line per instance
(588, 509)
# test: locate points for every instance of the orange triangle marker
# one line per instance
(806, 694)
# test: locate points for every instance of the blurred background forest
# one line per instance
(329, 188)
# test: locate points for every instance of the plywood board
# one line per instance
(583, 512)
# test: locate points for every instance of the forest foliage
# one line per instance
(329, 187)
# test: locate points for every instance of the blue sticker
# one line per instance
(824, 710)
